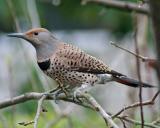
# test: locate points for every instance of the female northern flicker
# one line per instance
(68, 64)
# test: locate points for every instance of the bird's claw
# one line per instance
(55, 97)
(60, 91)
(75, 96)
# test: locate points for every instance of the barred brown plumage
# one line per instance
(68, 64)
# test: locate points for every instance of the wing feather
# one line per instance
(75, 59)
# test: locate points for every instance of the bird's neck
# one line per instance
(45, 51)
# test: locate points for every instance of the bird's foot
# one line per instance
(56, 96)
(79, 91)
(76, 95)
(63, 88)
(61, 91)
(52, 92)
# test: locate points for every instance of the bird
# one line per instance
(70, 66)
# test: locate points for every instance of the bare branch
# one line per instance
(137, 55)
(121, 5)
(38, 110)
(20, 99)
(35, 96)
(93, 103)
(138, 69)
(157, 121)
(100, 110)
(129, 120)
(143, 58)
(26, 123)
(150, 102)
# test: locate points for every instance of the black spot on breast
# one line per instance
(44, 65)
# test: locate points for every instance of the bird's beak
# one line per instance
(18, 35)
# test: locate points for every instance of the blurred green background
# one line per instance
(67, 14)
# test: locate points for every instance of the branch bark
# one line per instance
(100, 110)
(120, 5)
(150, 102)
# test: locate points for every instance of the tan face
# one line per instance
(37, 36)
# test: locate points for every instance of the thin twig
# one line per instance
(143, 58)
(26, 123)
(121, 5)
(38, 110)
(157, 121)
(124, 125)
(137, 55)
(129, 120)
(150, 102)
(138, 70)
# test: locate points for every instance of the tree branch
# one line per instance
(36, 96)
(92, 104)
(20, 99)
(129, 120)
(100, 110)
(150, 102)
(120, 5)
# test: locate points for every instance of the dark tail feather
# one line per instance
(131, 82)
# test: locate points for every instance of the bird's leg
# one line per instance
(82, 88)
(61, 86)
(54, 90)
(60, 89)
(63, 89)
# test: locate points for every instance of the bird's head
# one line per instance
(36, 36)
(43, 41)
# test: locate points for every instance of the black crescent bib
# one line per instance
(44, 65)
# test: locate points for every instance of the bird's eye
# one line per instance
(35, 33)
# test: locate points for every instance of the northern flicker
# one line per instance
(68, 64)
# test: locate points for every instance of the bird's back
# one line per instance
(75, 59)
